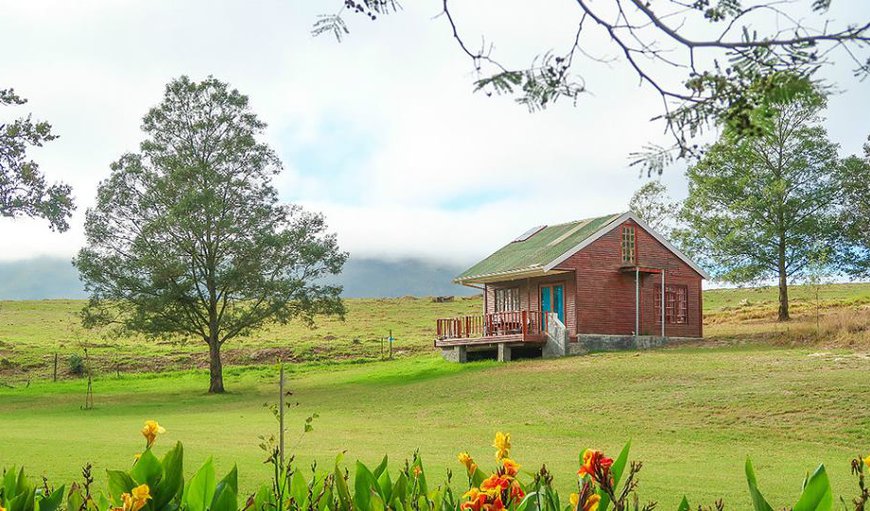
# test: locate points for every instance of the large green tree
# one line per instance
(188, 238)
(23, 187)
(764, 207)
(855, 183)
(710, 61)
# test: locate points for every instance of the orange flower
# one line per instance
(511, 467)
(417, 471)
(517, 492)
(476, 500)
(495, 482)
(594, 461)
(495, 505)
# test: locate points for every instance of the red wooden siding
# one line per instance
(604, 302)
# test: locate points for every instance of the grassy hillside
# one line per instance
(31, 332)
(692, 422)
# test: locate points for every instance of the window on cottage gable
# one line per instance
(629, 252)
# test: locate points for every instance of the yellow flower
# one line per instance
(575, 499)
(502, 443)
(468, 461)
(151, 430)
(136, 499)
(592, 503)
(141, 492)
(867, 461)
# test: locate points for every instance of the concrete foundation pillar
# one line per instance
(504, 353)
(455, 354)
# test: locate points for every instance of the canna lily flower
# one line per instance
(867, 461)
(468, 461)
(502, 443)
(496, 505)
(511, 467)
(136, 499)
(417, 471)
(574, 499)
(593, 461)
(592, 502)
(150, 431)
(141, 493)
(517, 492)
(495, 482)
(476, 500)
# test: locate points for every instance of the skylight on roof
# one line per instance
(528, 234)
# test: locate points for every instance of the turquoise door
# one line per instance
(553, 300)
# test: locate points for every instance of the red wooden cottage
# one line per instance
(599, 283)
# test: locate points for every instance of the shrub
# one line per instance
(76, 364)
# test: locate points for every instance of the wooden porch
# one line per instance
(493, 328)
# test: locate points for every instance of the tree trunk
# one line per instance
(783, 289)
(215, 368)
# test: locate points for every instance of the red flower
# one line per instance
(594, 462)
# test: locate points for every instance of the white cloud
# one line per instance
(381, 132)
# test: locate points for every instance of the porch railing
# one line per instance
(493, 324)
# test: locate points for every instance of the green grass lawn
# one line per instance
(693, 414)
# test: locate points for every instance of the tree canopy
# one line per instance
(855, 182)
(767, 206)
(730, 57)
(652, 203)
(188, 238)
(23, 187)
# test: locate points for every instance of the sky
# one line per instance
(382, 132)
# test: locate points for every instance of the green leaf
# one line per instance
(400, 491)
(616, 470)
(758, 502)
(341, 489)
(386, 485)
(225, 499)
(172, 482)
(51, 502)
(817, 494)
(201, 489)
(263, 499)
(119, 482)
(684, 504)
(363, 484)
(231, 480)
(298, 488)
(380, 468)
(147, 469)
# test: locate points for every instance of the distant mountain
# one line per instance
(47, 277)
(39, 278)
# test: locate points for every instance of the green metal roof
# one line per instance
(537, 251)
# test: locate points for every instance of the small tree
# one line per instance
(188, 237)
(652, 203)
(23, 189)
(763, 207)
